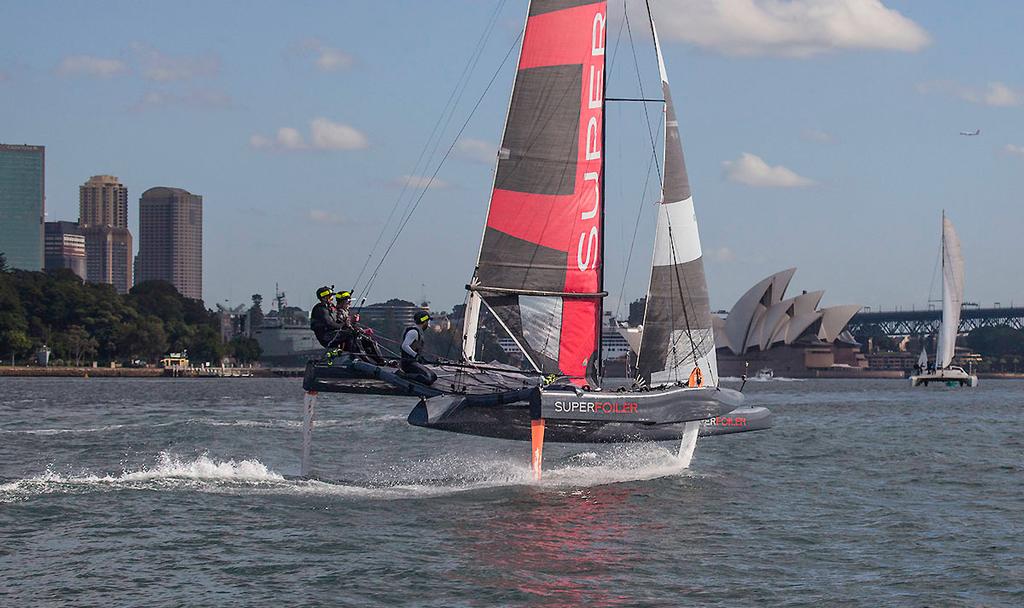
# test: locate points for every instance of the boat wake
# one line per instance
(434, 477)
(759, 379)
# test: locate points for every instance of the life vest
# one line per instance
(417, 344)
(696, 378)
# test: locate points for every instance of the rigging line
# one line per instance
(636, 227)
(679, 285)
(455, 140)
(639, 80)
(449, 110)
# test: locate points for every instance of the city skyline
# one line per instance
(808, 145)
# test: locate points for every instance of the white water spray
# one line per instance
(309, 409)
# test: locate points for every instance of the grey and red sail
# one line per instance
(540, 264)
(677, 332)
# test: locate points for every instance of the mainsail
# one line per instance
(677, 334)
(540, 264)
(952, 293)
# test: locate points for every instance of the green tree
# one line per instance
(79, 344)
(14, 343)
(1001, 341)
(206, 346)
(142, 338)
(244, 350)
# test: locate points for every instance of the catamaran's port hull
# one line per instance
(718, 410)
(952, 376)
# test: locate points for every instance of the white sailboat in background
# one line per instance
(952, 300)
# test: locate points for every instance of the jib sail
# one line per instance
(677, 334)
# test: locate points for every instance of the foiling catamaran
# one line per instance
(952, 300)
(540, 273)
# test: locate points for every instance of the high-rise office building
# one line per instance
(171, 240)
(22, 205)
(65, 247)
(103, 217)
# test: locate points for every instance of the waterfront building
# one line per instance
(171, 240)
(103, 219)
(65, 247)
(22, 205)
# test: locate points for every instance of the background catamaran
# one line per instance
(952, 300)
(540, 273)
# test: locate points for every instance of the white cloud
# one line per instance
(290, 139)
(87, 65)
(477, 150)
(723, 254)
(158, 66)
(333, 59)
(260, 142)
(326, 58)
(1000, 95)
(197, 98)
(328, 135)
(795, 28)
(818, 136)
(419, 182)
(1014, 150)
(996, 94)
(324, 135)
(751, 170)
(326, 217)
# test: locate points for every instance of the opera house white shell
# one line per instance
(762, 318)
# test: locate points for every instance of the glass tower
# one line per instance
(22, 205)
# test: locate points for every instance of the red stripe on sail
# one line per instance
(560, 37)
(578, 342)
(543, 219)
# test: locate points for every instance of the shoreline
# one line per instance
(29, 371)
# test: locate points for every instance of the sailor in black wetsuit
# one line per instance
(323, 322)
(353, 337)
(412, 351)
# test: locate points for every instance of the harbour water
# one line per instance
(169, 492)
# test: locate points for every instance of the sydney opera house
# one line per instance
(791, 336)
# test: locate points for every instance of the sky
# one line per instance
(820, 134)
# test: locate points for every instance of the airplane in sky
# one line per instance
(971, 133)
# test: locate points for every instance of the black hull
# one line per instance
(657, 416)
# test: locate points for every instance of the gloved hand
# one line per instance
(420, 359)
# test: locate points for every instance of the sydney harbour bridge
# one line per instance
(926, 322)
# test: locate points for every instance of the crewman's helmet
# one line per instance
(422, 318)
(324, 293)
(343, 295)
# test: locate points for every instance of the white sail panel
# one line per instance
(683, 245)
(952, 293)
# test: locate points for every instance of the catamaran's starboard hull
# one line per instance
(614, 418)
(740, 420)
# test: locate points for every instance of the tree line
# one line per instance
(85, 322)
